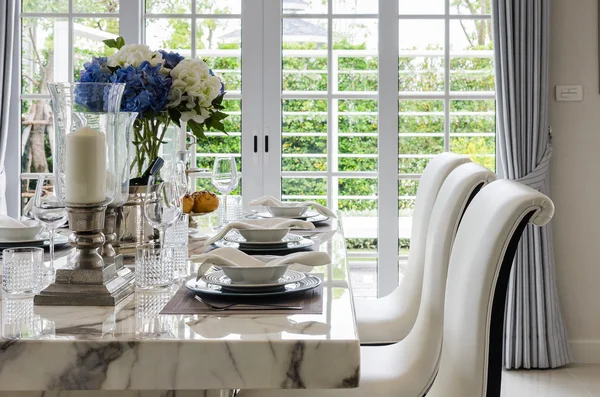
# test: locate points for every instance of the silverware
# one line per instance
(264, 306)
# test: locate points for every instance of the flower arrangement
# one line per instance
(163, 87)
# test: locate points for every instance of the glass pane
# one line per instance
(89, 6)
(357, 116)
(45, 5)
(481, 149)
(419, 116)
(44, 55)
(421, 134)
(421, 63)
(88, 36)
(309, 188)
(170, 34)
(472, 130)
(304, 143)
(304, 54)
(423, 7)
(355, 7)
(218, 42)
(471, 7)
(358, 189)
(304, 115)
(355, 54)
(168, 7)
(36, 132)
(471, 55)
(218, 7)
(304, 6)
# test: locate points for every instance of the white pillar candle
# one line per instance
(182, 137)
(85, 168)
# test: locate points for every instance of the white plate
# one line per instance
(202, 287)
(308, 214)
(38, 242)
(313, 217)
(291, 246)
(219, 278)
(237, 238)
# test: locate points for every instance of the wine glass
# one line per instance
(162, 205)
(225, 179)
(180, 178)
(50, 212)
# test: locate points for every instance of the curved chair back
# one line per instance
(424, 343)
(430, 183)
(480, 264)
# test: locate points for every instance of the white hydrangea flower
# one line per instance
(192, 77)
(134, 55)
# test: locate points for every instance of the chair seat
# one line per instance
(398, 370)
(379, 321)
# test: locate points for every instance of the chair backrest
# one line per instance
(424, 343)
(480, 264)
(430, 183)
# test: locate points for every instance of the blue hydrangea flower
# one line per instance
(146, 89)
(95, 71)
(171, 59)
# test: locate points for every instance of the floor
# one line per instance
(573, 381)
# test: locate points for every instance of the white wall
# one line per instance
(575, 172)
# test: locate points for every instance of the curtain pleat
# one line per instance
(7, 43)
(535, 333)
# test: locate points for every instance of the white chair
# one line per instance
(407, 368)
(482, 257)
(389, 319)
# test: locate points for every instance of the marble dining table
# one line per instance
(133, 350)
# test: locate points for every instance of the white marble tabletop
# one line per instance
(132, 347)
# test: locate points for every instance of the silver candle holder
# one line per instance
(88, 280)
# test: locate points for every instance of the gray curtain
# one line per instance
(7, 42)
(535, 334)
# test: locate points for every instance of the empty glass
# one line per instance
(225, 178)
(153, 266)
(49, 211)
(22, 270)
(148, 321)
(20, 322)
(162, 205)
(176, 237)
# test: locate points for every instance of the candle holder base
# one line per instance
(105, 286)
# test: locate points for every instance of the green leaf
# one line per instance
(120, 42)
(196, 129)
(219, 116)
(175, 116)
(217, 125)
(110, 43)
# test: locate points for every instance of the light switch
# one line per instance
(569, 93)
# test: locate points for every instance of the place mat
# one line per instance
(183, 302)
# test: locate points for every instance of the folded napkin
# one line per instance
(232, 257)
(270, 201)
(257, 224)
(7, 221)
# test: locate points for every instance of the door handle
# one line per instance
(255, 143)
(266, 158)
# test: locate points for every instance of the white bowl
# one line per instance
(255, 275)
(288, 212)
(263, 235)
(29, 232)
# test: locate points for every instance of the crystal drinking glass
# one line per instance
(50, 212)
(225, 178)
(162, 205)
